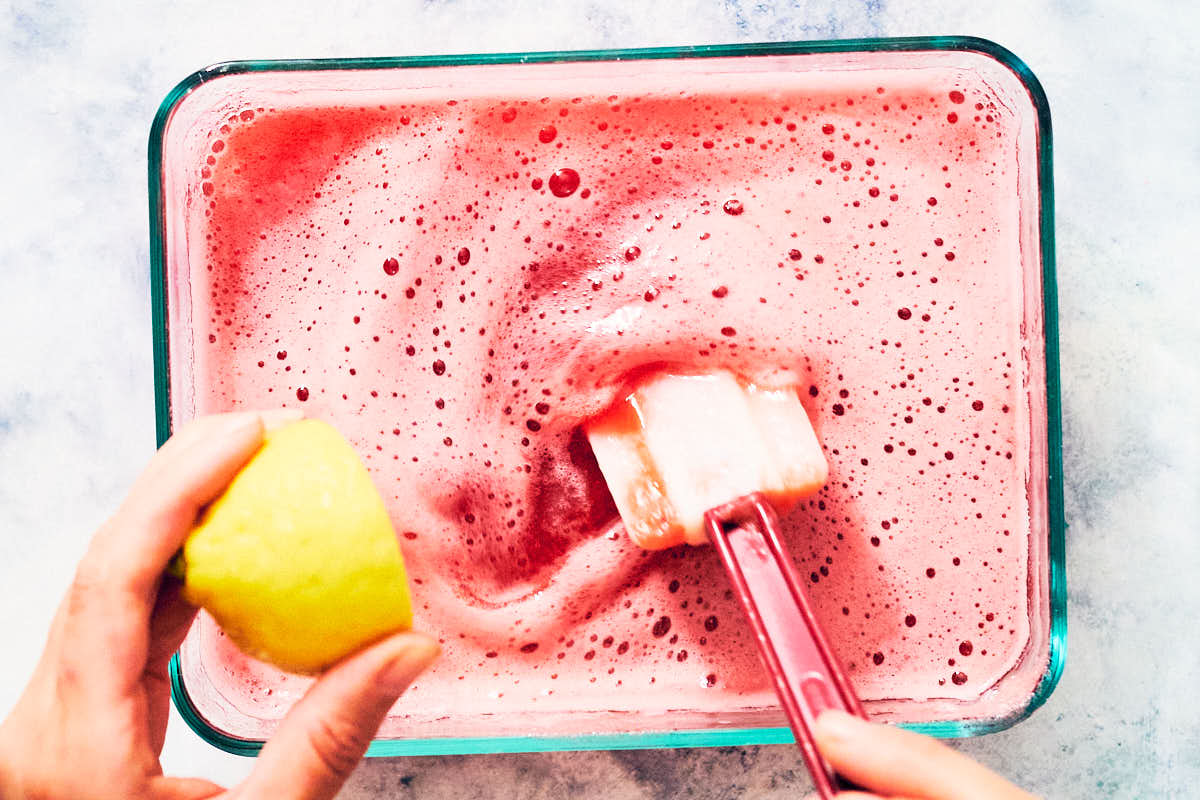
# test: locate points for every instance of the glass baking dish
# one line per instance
(239, 715)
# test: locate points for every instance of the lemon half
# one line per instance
(298, 561)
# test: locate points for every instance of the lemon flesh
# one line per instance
(298, 561)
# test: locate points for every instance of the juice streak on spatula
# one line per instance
(698, 458)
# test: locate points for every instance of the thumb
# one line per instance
(324, 736)
(899, 763)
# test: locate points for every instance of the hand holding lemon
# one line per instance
(286, 542)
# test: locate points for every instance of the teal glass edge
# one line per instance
(664, 739)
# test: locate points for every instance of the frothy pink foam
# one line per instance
(457, 283)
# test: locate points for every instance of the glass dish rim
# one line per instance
(717, 737)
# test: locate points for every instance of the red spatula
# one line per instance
(806, 673)
(695, 458)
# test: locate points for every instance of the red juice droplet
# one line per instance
(564, 182)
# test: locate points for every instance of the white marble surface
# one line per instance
(81, 83)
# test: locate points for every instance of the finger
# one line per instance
(110, 603)
(134, 546)
(895, 762)
(325, 735)
(863, 796)
(157, 686)
(173, 451)
(183, 789)
(169, 623)
(194, 466)
(203, 427)
(162, 509)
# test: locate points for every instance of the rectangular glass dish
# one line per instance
(989, 114)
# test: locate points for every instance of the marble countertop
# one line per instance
(82, 83)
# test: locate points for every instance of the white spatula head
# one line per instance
(679, 445)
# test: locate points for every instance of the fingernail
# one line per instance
(238, 419)
(834, 724)
(278, 417)
(416, 652)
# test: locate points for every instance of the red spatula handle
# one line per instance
(807, 675)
